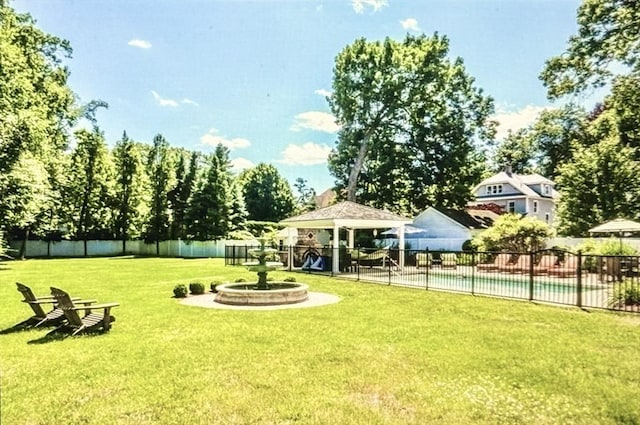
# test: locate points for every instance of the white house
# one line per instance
(531, 194)
(447, 230)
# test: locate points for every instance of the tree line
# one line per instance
(415, 131)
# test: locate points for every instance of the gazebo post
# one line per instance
(335, 266)
(351, 240)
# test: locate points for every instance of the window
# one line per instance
(511, 206)
(535, 206)
(546, 189)
(546, 218)
(494, 189)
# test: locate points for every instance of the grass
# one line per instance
(382, 355)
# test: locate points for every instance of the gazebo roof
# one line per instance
(346, 214)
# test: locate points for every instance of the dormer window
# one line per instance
(546, 189)
(494, 189)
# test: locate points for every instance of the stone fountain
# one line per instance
(263, 292)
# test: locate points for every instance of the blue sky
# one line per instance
(253, 74)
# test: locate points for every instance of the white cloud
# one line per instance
(410, 24)
(239, 164)
(212, 138)
(360, 5)
(187, 101)
(143, 44)
(164, 102)
(320, 121)
(307, 154)
(515, 120)
(323, 92)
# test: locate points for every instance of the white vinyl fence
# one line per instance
(174, 248)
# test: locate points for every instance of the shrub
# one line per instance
(180, 291)
(213, 286)
(614, 246)
(240, 280)
(513, 233)
(289, 279)
(196, 288)
(626, 293)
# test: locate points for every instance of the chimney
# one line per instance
(508, 170)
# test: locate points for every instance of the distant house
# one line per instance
(436, 229)
(530, 194)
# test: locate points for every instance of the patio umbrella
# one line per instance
(619, 226)
(408, 230)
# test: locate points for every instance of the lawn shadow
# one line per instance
(61, 333)
(25, 325)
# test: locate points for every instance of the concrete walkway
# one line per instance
(316, 299)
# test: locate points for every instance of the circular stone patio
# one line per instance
(316, 299)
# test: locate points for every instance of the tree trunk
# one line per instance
(23, 247)
(357, 168)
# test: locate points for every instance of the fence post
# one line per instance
(531, 262)
(426, 273)
(579, 280)
(473, 272)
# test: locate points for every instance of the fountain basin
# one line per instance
(245, 294)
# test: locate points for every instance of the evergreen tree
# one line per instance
(159, 169)
(130, 189)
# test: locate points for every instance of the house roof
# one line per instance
(346, 214)
(519, 182)
(472, 218)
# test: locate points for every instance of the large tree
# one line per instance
(608, 40)
(36, 106)
(267, 195)
(209, 215)
(130, 189)
(410, 121)
(89, 195)
(160, 169)
(602, 182)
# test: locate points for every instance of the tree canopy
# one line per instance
(411, 120)
(608, 40)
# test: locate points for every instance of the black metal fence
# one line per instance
(550, 276)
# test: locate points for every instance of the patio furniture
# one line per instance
(521, 265)
(375, 258)
(423, 259)
(568, 268)
(88, 322)
(546, 263)
(500, 259)
(448, 260)
(40, 316)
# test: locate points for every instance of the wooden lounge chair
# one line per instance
(448, 260)
(501, 259)
(91, 320)
(40, 316)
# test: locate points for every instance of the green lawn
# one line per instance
(382, 355)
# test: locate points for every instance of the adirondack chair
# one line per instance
(88, 322)
(40, 316)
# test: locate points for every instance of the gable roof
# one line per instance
(469, 218)
(346, 214)
(520, 183)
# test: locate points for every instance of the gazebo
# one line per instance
(350, 216)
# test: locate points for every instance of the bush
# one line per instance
(513, 233)
(626, 293)
(196, 288)
(240, 280)
(213, 285)
(180, 291)
(289, 279)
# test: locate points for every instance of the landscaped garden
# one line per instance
(381, 355)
